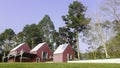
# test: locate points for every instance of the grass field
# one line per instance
(57, 65)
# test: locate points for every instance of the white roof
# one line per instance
(17, 47)
(61, 48)
(37, 47)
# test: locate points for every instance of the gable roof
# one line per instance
(17, 47)
(37, 47)
(61, 48)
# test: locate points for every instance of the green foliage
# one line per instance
(76, 16)
(20, 37)
(8, 34)
(47, 29)
(66, 36)
(32, 35)
(7, 41)
(113, 46)
(1, 39)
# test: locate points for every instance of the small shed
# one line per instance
(18, 53)
(63, 53)
(43, 52)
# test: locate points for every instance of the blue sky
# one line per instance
(16, 14)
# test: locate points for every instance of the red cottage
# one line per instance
(20, 54)
(63, 53)
(43, 52)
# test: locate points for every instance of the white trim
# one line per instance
(37, 47)
(17, 46)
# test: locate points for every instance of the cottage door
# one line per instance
(37, 59)
(67, 57)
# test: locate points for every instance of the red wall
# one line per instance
(68, 50)
(44, 48)
(24, 47)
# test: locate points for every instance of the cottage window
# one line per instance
(44, 55)
(69, 57)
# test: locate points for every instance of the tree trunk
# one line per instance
(103, 42)
(104, 45)
(106, 53)
(77, 44)
(94, 55)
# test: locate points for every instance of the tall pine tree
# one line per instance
(75, 20)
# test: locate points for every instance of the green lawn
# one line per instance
(57, 65)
